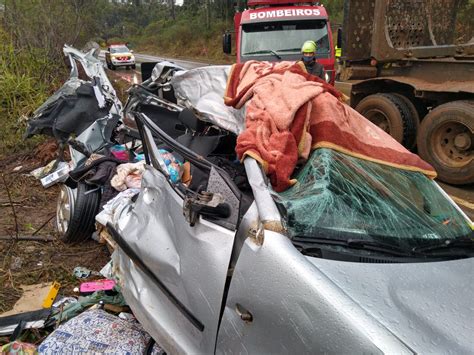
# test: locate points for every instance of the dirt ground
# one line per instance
(33, 213)
(27, 209)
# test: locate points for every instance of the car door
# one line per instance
(176, 277)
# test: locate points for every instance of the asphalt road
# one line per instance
(462, 195)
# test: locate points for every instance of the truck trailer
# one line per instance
(412, 74)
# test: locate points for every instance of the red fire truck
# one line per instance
(275, 30)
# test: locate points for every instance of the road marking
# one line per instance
(462, 202)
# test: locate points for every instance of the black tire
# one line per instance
(83, 209)
(412, 123)
(113, 67)
(134, 66)
(392, 114)
(436, 141)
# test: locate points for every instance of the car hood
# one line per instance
(428, 306)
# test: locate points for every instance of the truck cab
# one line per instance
(275, 30)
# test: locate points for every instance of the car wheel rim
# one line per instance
(64, 209)
(453, 143)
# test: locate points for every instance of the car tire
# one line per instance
(76, 211)
(134, 66)
(446, 141)
(113, 67)
(391, 114)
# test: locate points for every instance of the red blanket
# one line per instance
(290, 112)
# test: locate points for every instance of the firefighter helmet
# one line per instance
(309, 47)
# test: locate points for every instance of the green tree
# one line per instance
(48, 24)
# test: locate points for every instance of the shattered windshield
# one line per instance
(122, 49)
(343, 197)
(285, 37)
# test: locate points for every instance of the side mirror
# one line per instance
(131, 50)
(227, 43)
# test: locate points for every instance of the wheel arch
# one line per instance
(376, 86)
(418, 91)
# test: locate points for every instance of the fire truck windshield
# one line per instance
(285, 37)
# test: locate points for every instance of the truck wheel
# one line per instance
(446, 141)
(391, 114)
(413, 123)
(75, 212)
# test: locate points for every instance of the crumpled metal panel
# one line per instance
(68, 88)
(93, 68)
(94, 138)
(159, 67)
(202, 89)
(296, 308)
(267, 209)
(97, 134)
(191, 262)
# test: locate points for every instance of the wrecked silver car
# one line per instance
(355, 257)
(83, 115)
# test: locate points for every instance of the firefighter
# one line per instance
(309, 59)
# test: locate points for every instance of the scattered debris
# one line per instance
(128, 176)
(19, 347)
(26, 320)
(88, 288)
(42, 171)
(58, 175)
(64, 301)
(71, 310)
(106, 271)
(31, 299)
(51, 296)
(15, 264)
(96, 331)
(83, 272)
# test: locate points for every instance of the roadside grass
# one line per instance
(27, 79)
(177, 39)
